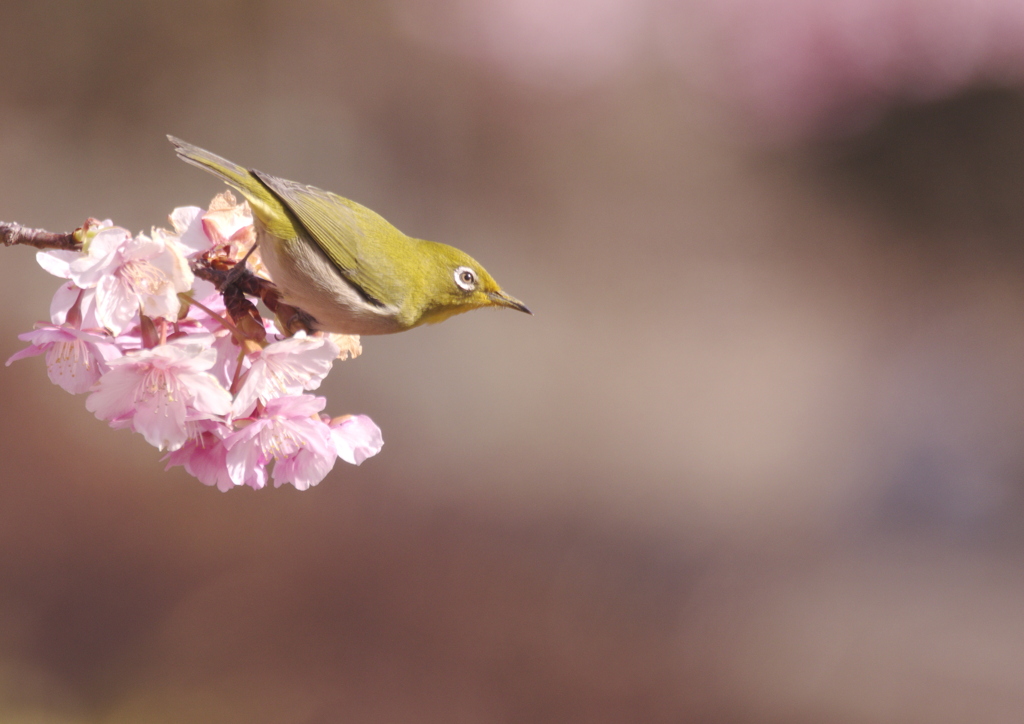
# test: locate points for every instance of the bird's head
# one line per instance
(456, 283)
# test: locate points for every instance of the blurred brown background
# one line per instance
(757, 458)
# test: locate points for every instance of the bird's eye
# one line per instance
(465, 278)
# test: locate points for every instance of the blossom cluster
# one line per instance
(158, 352)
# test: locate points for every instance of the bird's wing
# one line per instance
(349, 234)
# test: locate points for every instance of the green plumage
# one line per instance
(377, 279)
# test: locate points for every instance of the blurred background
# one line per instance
(759, 456)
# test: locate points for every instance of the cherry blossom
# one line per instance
(75, 358)
(126, 272)
(204, 455)
(73, 305)
(226, 221)
(188, 226)
(160, 389)
(355, 438)
(285, 368)
(159, 352)
(289, 431)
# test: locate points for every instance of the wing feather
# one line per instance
(348, 233)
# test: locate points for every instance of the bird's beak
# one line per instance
(500, 299)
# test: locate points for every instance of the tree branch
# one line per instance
(235, 282)
(12, 233)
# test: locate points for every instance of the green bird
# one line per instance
(344, 264)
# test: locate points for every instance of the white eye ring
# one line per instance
(465, 278)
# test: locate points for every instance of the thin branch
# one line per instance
(12, 233)
(244, 281)
(226, 323)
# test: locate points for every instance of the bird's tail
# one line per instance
(264, 204)
(233, 174)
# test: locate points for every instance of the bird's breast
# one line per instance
(309, 280)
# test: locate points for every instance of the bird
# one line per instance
(346, 266)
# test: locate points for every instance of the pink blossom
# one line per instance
(204, 456)
(70, 301)
(355, 437)
(224, 344)
(76, 265)
(289, 431)
(228, 351)
(127, 273)
(227, 220)
(188, 226)
(285, 368)
(160, 389)
(58, 261)
(119, 332)
(75, 358)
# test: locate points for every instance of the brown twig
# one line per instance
(12, 233)
(235, 282)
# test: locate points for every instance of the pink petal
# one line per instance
(312, 461)
(141, 248)
(163, 304)
(63, 300)
(109, 240)
(356, 438)
(116, 305)
(73, 366)
(208, 395)
(87, 310)
(171, 261)
(30, 351)
(58, 261)
(245, 399)
(296, 406)
(102, 258)
(188, 223)
(227, 358)
(114, 395)
(285, 368)
(244, 460)
(304, 469)
(160, 419)
(205, 457)
(221, 224)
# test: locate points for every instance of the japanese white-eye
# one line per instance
(344, 265)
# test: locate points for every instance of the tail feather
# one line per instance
(265, 205)
(231, 173)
